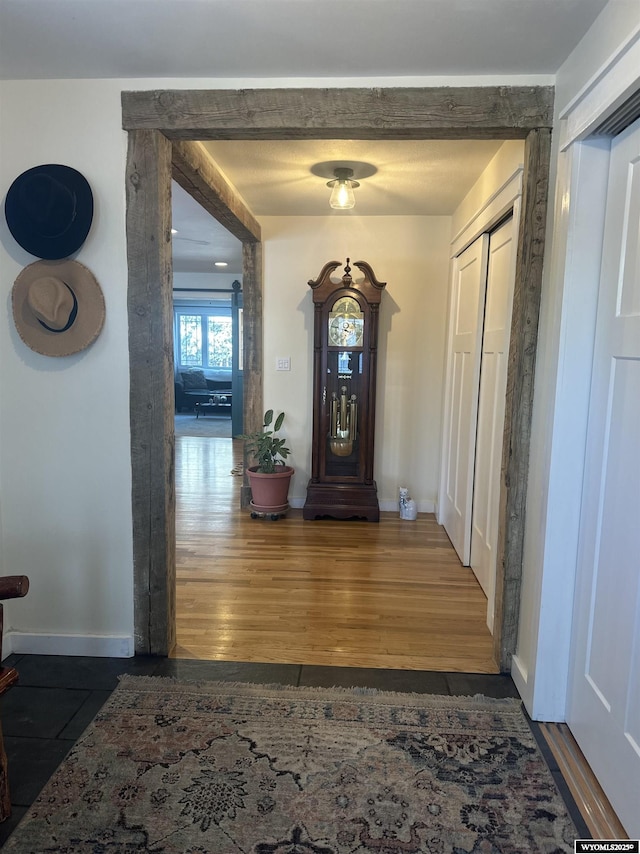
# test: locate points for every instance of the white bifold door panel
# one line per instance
(604, 681)
(463, 374)
(491, 405)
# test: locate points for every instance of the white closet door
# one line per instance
(463, 372)
(493, 386)
(604, 684)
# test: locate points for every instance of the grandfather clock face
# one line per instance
(346, 323)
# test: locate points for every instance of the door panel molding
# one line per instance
(468, 287)
(604, 687)
(491, 402)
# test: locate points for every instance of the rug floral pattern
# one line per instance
(172, 767)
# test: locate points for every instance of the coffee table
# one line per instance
(217, 403)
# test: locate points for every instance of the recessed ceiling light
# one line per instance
(220, 264)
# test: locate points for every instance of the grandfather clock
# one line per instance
(345, 351)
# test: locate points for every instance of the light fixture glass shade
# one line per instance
(342, 197)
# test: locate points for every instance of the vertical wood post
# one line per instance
(519, 396)
(150, 300)
(253, 400)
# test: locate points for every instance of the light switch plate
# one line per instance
(283, 363)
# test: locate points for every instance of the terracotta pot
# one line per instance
(269, 491)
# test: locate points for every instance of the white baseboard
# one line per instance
(98, 646)
(388, 505)
(520, 678)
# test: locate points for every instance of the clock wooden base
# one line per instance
(341, 501)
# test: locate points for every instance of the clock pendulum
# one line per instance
(344, 395)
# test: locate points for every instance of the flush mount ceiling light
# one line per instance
(345, 176)
(343, 185)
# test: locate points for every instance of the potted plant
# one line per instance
(270, 478)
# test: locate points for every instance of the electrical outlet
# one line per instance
(283, 363)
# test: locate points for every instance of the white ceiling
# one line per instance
(275, 178)
(412, 177)
(200, 240)
(288, 38)
(525, 41)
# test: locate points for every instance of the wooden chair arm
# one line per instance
(13, 586)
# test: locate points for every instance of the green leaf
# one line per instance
(265, 447)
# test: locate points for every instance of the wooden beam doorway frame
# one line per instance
(160, 124)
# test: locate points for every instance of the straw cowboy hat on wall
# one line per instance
(58, 307)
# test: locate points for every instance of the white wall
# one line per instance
(203, 281)
(65, 473)
(617, 22)
(411, 255)
(502, 166)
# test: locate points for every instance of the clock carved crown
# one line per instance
(324, 285)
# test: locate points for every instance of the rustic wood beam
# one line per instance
(148, 191)
(253, 410)
(444, 113)
(519, 396)
(474, 112)
(196, 173)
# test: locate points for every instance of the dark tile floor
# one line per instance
(58, 696)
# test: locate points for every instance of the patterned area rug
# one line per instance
(172, 767)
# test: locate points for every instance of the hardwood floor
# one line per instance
(392, 595)
(387, 595)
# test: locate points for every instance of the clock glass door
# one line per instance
(344, 410)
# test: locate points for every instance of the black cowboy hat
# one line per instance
(49, 210)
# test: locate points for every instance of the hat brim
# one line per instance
(25, 231)
(89, 319)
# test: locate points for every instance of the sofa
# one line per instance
(194, 386)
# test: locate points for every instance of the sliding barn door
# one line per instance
(237, 372)
(463, 373)
(493, 387)
(604, 686)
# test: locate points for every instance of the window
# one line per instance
(203, 337)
